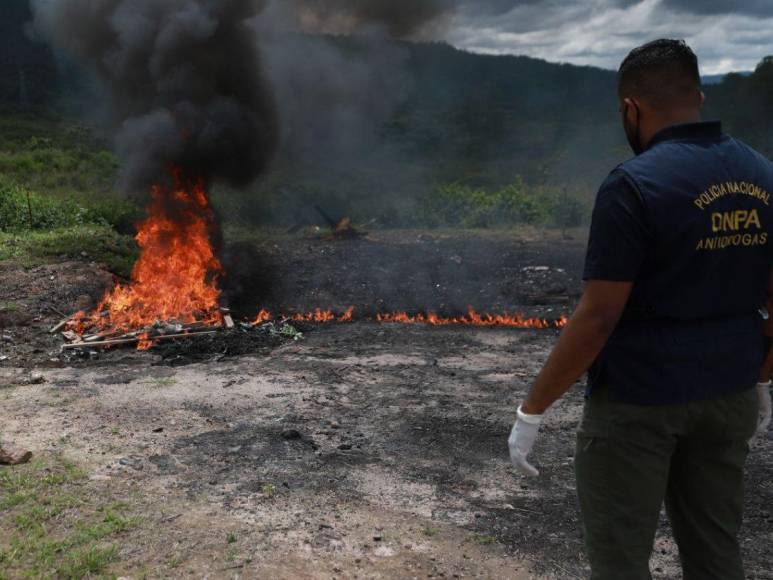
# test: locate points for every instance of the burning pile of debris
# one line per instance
(79, 331)
(173, 290)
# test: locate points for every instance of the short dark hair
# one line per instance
(663, 72)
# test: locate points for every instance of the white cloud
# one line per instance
(602, 32)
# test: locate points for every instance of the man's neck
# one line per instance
(661, 122)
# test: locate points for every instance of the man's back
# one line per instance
(698, 220)
(707, 198)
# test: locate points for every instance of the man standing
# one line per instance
(678, 266)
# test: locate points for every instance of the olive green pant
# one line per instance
(631, 458)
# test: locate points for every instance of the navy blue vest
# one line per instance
(691, 330)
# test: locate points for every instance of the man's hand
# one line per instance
(521, 441)
(766, 408)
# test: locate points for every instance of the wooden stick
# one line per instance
(100, 344)
(229, 322)
(121, 341)
(57, 311)
(61, 325)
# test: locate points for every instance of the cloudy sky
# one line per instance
(727, 35)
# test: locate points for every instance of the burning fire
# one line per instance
(174, 284)
(175, 278)
(432, 319)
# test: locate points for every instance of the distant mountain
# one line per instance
(716, 79)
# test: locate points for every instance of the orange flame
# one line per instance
(144, 342)
(175, 278)
(471, 319)
(263, 316)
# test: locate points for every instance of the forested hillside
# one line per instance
(479, 122)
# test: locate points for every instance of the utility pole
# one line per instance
(29, 207)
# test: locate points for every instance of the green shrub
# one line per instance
(90, 242)
(456, 205)
(21, 209)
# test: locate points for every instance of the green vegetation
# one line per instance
(52, 527)
(161, 382)
(59, 157)
(429, 531)
(459, 205)
(55, 195)
(268, 490)
(9, 306)
(22, 209)
(87, 242)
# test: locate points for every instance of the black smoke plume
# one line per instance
(184, 78)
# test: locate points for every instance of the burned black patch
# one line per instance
(249, 457)
(216, 347)
(446, 275)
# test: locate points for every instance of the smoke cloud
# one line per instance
(184, 78)
(187, 85)
(400, 19)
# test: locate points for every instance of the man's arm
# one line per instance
(591, 325)
(583, 338)
(763, 386)
(767, 367)
(617, 246)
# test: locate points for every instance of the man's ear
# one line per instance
(632, 110)
(703, 99)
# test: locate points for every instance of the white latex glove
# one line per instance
(521, 441)
(766, 408)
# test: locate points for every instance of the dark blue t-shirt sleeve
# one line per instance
(618, 232)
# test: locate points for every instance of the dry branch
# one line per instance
(60, 326)
(135, 340)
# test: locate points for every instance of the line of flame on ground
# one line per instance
(472, 318)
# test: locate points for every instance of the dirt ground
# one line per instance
(361, 451)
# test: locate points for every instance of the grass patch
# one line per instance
(99, 243)
(267, 490)
(486, 540)
(51, 527)
(430, 532)
(456, 205)
(162, 382)
(25, 209)
(55, 155)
